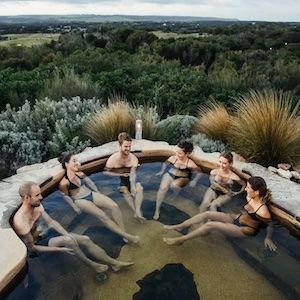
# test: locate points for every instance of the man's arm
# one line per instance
(53, 224)
(29, 242)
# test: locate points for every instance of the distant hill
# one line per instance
(27, 19)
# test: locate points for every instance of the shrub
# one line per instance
(18, 149)
(120, 116)
(35, 133)
(214, 121)
(67, 84)
(175, 128)
(207, 144)
(266, 128)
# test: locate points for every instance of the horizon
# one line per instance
(242, 10)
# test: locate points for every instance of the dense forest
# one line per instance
(176, 74)
(144, 64)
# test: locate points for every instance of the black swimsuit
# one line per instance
(248, 229)
(186, 171)
(73, 186)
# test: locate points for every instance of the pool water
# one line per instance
(221, 268)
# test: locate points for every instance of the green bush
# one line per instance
(35, 133)
(207, 144)
(175, 128)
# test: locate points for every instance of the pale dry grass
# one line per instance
(266, 128)
(120, 116)
(214, 121)
(110, 120)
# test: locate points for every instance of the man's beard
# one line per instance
(36, 204)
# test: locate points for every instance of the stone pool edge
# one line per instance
(13, 253)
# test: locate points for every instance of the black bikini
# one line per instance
(73, 186)
(248, 229)
(186, 170)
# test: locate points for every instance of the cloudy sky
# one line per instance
(269, 10)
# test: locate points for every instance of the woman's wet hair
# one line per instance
(187, 146)
(258, 184)
(65, 158)
(228, 155)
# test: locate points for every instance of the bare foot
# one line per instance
(156, 216)
(170, 227)
(172, 241)
(99, 268)
(134, 239)
(121, 264)
(140, 218)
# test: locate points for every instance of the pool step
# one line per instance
(279, 268)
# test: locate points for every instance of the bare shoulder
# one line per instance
(172, 159)
(134, 162)
(234, 176)
(192, 164)
(214, 172)
(112, 161)
(264, 212)
(63, 184)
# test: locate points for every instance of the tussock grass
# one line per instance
(150, 117)
(266, 128)
(120, 116)
(214, 121)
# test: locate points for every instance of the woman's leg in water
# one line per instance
(98, 253)
(209, 196)
(101, 200)
(161, 194)
(202, 218)
(90, 208)
(228, 229)
(66, 241)
(221, 200)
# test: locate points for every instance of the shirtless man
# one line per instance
(31, 212)
(124, 164)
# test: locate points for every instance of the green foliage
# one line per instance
(175, 128)
(32, 134)
(67, 84)
(266, 128)
(207, 144)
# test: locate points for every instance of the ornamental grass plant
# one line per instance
(118, 116)
(214, 121)
(266, 128)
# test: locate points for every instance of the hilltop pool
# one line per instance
(211, 267)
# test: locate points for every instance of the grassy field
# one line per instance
(168, 35)
(28, 39)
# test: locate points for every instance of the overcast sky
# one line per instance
(267, 10)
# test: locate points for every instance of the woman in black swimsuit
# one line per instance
(178, 175)
(83, 195)
(247, 223)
